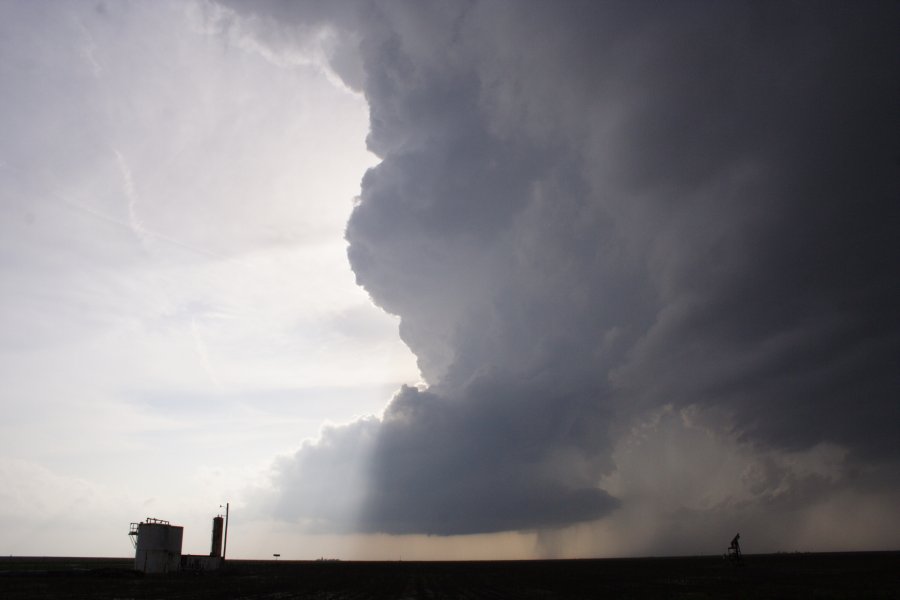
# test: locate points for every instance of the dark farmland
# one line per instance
(834, 575)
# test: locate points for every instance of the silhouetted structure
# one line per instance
(734, 549)
(218, 528)
(216, 557)
(157, 546)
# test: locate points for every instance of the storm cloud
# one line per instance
(588, 214)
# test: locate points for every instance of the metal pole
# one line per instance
(225, 549)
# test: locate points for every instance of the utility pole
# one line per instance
(225, 549)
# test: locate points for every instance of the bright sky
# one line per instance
(177, 307)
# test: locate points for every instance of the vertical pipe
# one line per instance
(225, 549)
(217, 528)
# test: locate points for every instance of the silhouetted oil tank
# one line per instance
(218, 527)
(158, 547)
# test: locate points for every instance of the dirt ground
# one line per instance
(837, 575)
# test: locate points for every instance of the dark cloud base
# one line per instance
(474, 464)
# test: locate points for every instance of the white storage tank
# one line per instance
(158, 546)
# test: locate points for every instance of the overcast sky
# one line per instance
(450, 279)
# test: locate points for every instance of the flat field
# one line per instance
(833, 575)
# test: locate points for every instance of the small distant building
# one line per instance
(199, 562)
(214, 561)
(157, 546)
